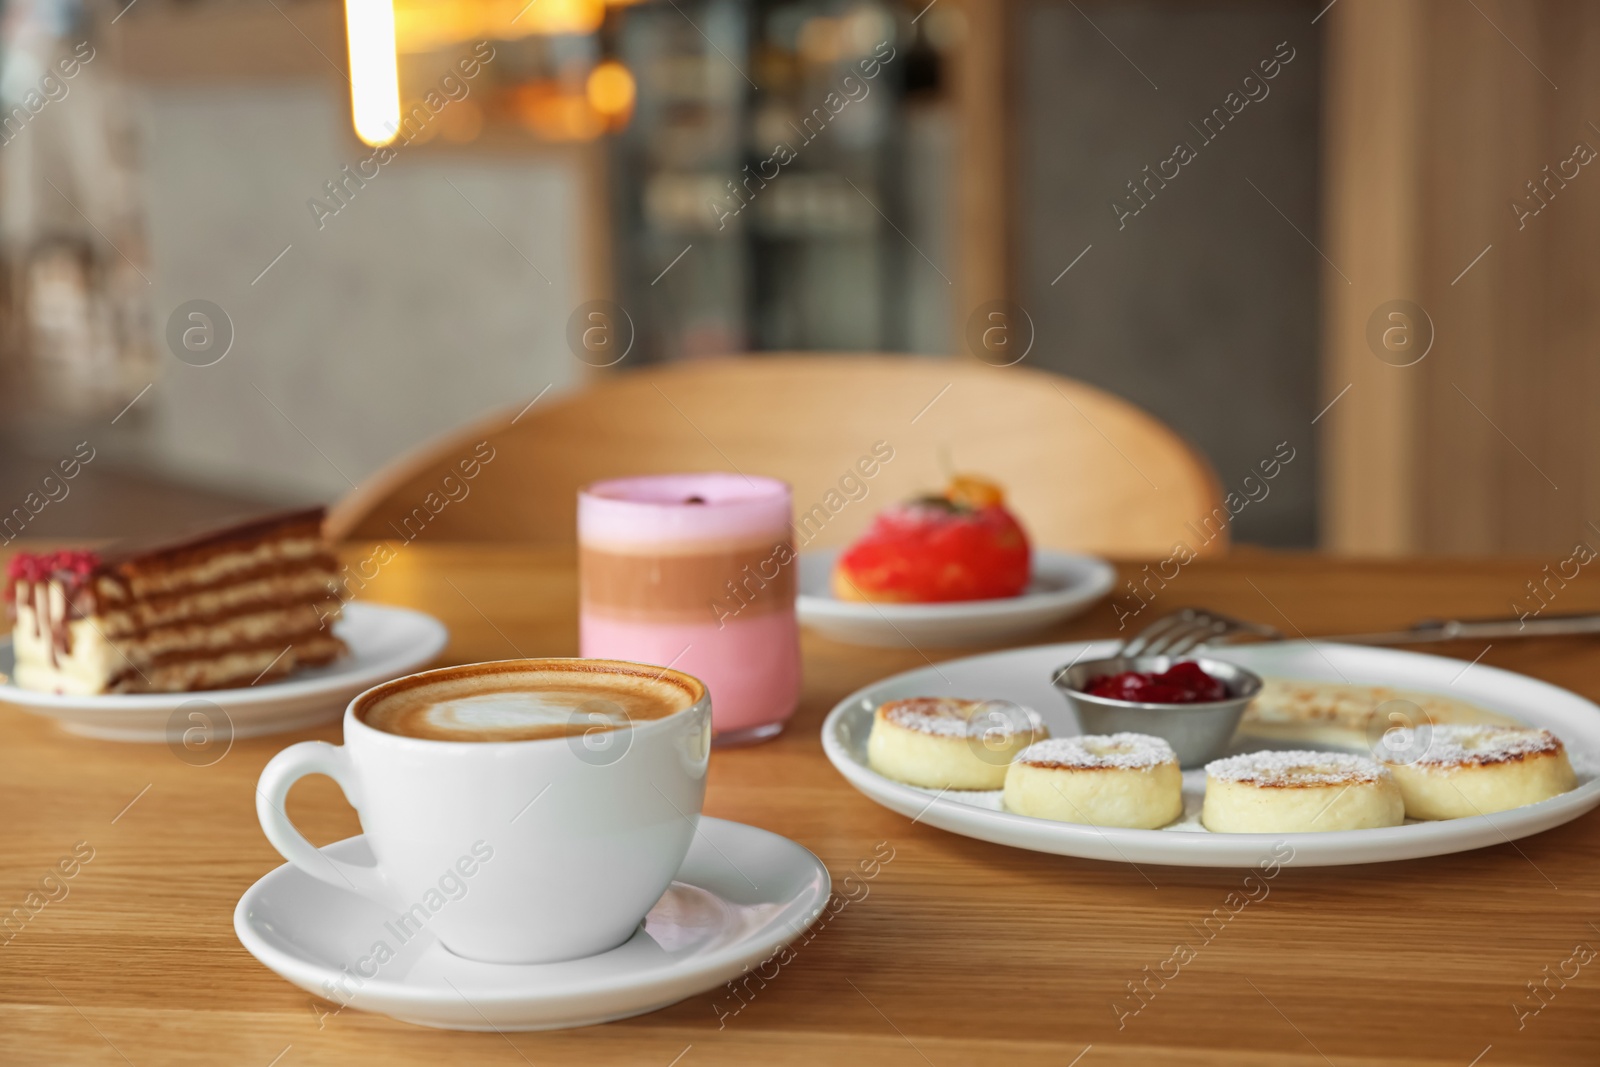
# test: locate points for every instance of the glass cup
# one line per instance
(696, 572)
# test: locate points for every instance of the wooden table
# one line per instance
(961, 952)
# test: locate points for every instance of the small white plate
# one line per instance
(1023, 676)
(1064, 584)
(741, 895)
(385, 642)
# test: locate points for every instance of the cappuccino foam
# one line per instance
(495, 703)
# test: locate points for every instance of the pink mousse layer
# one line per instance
(654, 509)
(751, 666)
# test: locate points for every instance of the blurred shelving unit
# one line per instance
(783, 185)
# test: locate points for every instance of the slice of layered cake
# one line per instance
(234, 606)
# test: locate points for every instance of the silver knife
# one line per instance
(1478, 629)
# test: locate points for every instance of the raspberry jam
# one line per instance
(36, 568)
(1182, 683)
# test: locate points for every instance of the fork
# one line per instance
(1188, 629)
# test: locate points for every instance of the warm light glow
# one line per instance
(374, 72)
(566, 16)
(554, 114)
(610, 89)
(428, 25)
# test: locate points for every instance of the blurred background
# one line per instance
(1376, 247)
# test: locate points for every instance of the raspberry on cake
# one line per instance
(963, 545)
(248, 602)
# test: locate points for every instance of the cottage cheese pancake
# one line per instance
(1129, 780)
(1298, 792)
(1350, 716)
(948, 743)
(1453, 771)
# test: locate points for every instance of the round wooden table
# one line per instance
(954, 952)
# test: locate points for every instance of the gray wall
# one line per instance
(405, 315)
(1203, 307)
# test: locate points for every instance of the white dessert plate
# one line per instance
(385, 642)
(1064, 584)
(741, 895)
(1023, 675)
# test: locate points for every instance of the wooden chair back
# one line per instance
(1083, 469)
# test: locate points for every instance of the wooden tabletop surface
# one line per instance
(961, 952)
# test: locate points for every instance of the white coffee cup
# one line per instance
(510, 851)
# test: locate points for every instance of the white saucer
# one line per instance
(1064, 584)
(741, 895)
(1024, 675)
(385, 642)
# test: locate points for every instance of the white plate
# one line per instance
(741, 895)
(1064, 584)
(385, 642)
(1024, 676)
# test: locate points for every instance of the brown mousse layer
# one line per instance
(736, 580)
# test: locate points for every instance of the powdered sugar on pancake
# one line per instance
(1124, 751)
(953, 717)
(1296, 768)
(1446, 746)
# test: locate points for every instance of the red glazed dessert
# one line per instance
(963, 545)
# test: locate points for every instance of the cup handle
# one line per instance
(280, 773)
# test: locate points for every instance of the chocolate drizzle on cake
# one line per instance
(220, 594)
(30, 577)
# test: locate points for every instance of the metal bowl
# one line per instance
(1198, 733)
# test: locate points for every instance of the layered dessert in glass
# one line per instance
(696, 572)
